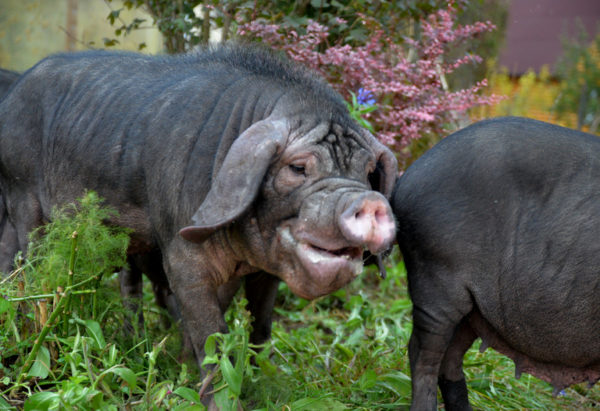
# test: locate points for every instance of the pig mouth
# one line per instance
(332, 267)
(348, 253)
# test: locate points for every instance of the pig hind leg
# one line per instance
(9, 244)
(25, 214)
(438, 310)
(451, 379)
(130, 281)
(261, 292)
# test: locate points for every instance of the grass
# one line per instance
(345, 351)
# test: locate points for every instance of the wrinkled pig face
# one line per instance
(319, 202)
(319, 194)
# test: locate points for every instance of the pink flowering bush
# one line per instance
(407, 80)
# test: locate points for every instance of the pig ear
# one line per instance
(237, 182)
(386, 170)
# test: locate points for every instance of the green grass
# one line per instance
(345, 351)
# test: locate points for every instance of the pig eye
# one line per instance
(297, 169)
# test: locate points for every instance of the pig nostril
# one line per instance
(358, 215)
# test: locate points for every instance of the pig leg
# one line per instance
(25, 213)
(261, 291)
(451, 378)
(227, 291)
(130, 282)
(9, 245)
(433, 329)
(151, 265)
(192, 280)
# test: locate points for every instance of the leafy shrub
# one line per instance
(407, 76)
(530, 95)
(402, 52)
(56, 309)
(579, 70)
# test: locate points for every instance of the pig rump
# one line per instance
(498, 226)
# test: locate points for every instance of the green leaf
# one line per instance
(231, 376)
(210, 346)
(189, 407)
(42, 401)
(313, 404)
(96, 401)
(188, 394)
(210, 350)
(367, 380)
(41, 365)
(126, 375)
(397, 382)
(317, 4)
(5, 305)
(224, 401)
(266, 365)
(112, 355)
(94, 332)
(345, 351)
(113, 16)
(4, 405)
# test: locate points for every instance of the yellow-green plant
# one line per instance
(531, 95)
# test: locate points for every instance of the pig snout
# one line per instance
(368, 220)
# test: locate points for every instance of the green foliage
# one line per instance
(569, 97)
(531, 95)
(185, 24)
(396, 18)
(487, 45)
(579, 70)
(176, 20)
(100, 248)
(65, 348)
(358, 112)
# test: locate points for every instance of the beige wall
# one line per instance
(32, 29)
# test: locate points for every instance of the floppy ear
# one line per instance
(237, 182)
(386, 171)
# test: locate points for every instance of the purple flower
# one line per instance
(365, 97)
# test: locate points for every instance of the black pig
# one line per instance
(261, 288)
(498, 226)
(227, 162)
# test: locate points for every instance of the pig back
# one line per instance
(142, 131)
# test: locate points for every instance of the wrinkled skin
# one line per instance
(228, 163)
(260, 288)
(498, 226)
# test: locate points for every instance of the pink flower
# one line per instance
(408, 80)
